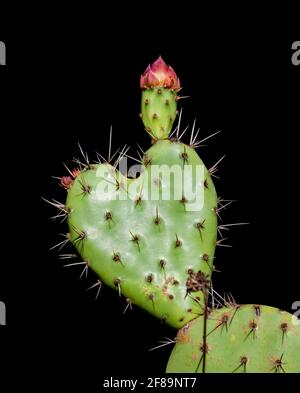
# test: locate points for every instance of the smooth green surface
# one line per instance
(158, 111)
(228, 344)
(166, 296)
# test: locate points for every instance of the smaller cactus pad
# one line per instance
(158, 111)
(247, 338)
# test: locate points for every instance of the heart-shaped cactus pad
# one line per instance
(152, 237)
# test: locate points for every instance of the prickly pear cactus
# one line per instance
(237, 339)
(151, 238)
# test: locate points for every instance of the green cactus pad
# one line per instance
(248, 338)
(149, 249)
(158, 111)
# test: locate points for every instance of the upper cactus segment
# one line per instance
(160, 86)
(159, 74)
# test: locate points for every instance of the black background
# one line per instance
(63, 85)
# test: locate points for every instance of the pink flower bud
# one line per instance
(66, 182)
(76, 172)
(159, 74)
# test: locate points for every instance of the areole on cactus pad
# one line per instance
(142, 236)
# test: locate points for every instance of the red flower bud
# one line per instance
(66, 182)
(76, 172)
(159, 74)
